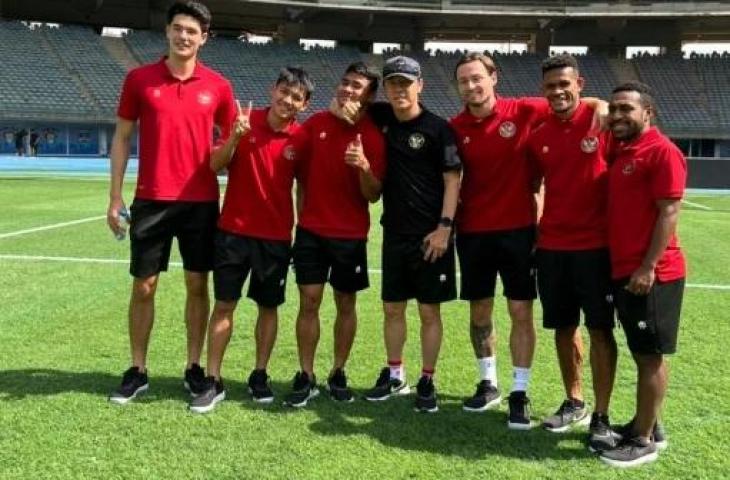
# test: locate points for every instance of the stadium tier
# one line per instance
(68, 73)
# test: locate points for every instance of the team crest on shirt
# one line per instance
(628, 169)
(289, 153)
(589, 144)
(545, 149)
(416, 141)
(205, 98)
(322, 135)
(641, 325)
(156, 93)
(507, 129)
(466, 140)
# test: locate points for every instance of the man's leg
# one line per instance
(219, 334)
(481, 328)
(569, 347)
(653, 377)
(394, 330)
(267, 324)
(603, 366)
(345, 326)
(431, 334)
(141, 318)
(310, 299)
(522, 339)
(197, 310)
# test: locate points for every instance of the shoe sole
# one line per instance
(486, 407)
(207, 408)
(582, 422)
(126, 400)
(426, 410)
(519, 426)
(398, 393)
(632, 463)
(347, 400)
(312, 394)
(262, 400)
(661, 445)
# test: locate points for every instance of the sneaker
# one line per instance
(657, 433)
(630, 452)
(386, 387)
(212, 395)
(133, 383)
(486, 396)
(600, 435)
(426, 396)
(194, 380)
(567, 416)
(259, 386)
(337, 386)
(519, 411)
(303, 390)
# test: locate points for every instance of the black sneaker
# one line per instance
(568, 415)
(630, 452)
(194, 380)
(386, 387)
(303, 390)
(337, 386)
(259, 386)
(212, 395)
(486, 396)
(519, 411)
(133, 383)
(426, 396)
(600, 435)
(657, 433)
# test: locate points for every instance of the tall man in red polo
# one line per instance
(177, 102)
(645, 187)
(340, 164)
(573, 269)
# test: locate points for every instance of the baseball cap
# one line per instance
(402, 67)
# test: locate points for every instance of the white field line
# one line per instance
(51, 227)
(696, 205)
(374, 271)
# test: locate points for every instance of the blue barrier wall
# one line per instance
(59, 139)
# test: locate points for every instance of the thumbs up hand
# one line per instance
(355, 155)
(242, 124)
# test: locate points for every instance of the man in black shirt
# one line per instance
(420, 193)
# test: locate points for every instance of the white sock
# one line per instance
(488, 369)
(520, 379)
(397, 371)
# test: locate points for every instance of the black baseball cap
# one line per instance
(402, 67)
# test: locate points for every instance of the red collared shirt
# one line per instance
(176, 120)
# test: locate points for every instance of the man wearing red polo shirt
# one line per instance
(646, 183)
(177, 101)
(254, 230)
(340, 165)
(573, 269)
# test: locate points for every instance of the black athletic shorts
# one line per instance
(342, 262)
(266, 260)
(407, 275)
(651, 322)
(155, 223)
(508, 253)
(575, 280)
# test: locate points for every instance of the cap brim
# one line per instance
(410, 77)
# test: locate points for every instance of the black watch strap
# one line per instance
(446, 222)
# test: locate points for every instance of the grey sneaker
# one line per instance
(212, 395)
(630, 452)
(568, 415)
(658, 434)
(386, 387)
(303, 390)
(600, 435)
(134, 383)
(486, 396)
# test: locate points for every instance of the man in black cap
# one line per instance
(420, 192)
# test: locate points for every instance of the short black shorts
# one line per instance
(342, 262)
(155, 223)
(267, 260)
(407, 275)
(575, 280)
(651, 322)
(508, 253)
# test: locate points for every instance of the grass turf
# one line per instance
(65, 345)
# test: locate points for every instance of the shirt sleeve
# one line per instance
(129, 99)
(669, 173)
(226, 112)
(535, 109)
(451, 159)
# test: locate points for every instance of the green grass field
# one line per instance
(64, 346)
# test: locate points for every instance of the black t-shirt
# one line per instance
(418, 152)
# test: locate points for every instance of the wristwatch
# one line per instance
(446, 222)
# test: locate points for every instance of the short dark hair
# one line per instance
(646, 95)
(361, 68)
(296, 76)
(192, 9)
(485, 58)
(564, 60)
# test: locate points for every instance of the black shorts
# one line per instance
(155, 223)
(508, 253)
(267, 260)
(575, 280)
(407, 275)
(344, 262)
(651, 322)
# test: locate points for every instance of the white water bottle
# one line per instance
(124, 221)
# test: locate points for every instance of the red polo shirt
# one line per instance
(258, 201)
(572, 160)
(645, 170)
(333, 205)
(176, 120)
(496, 190)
